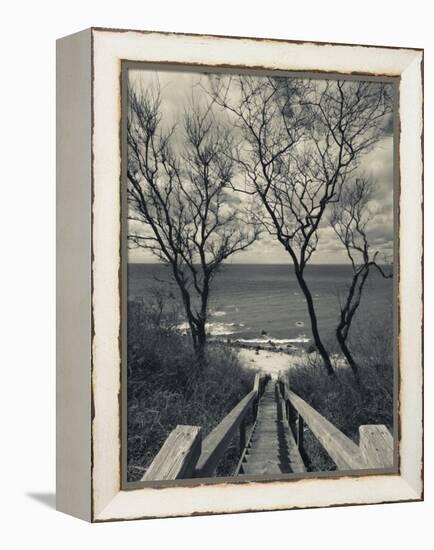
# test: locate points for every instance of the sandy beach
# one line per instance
(269, 362)
(276, 362)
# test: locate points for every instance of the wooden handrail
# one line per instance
(376, 442)
(344, 452)
(216, 443)
(178, 456)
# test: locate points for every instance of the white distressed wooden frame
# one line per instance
(88, 463)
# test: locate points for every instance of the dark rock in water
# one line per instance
(311, 349)
(264, 333)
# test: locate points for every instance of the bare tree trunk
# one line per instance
(201, 342)
(349, 220)
(314, 323)
(198, 336)
(201, 320)
(193, 333)
(347, 315)
(347, 354)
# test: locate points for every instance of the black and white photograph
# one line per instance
(215, 316)
(259, 229)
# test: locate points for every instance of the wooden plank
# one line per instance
(272, 447)
(178, 456)
(244, 453)
(376, 444)
(256, 384)
(266, 467)
(290, 462)
(215, 444)
(267, 440)
(258, 455)
(295, 459)
(344, 452)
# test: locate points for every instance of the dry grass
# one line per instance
(166, 387)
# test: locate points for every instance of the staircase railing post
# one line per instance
(299, 427)
(291, 413)
(242, 436)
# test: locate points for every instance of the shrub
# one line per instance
(340, 400)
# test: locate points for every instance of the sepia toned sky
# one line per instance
(178, 88)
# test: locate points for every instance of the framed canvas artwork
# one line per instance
(239, 274)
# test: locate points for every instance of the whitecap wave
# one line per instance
(220, 329)
(218, 313)
(213, 329)
(302, 339)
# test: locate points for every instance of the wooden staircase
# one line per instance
(271, 448)
(274, 445)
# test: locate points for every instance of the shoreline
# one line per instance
(267, 357)
(270, 362)
(275, 360)
(290, 346)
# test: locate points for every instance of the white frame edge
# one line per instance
(111, 503)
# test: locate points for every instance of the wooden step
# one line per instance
(268, 467)
(272, 448)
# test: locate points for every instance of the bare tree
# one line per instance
(350, 220)
(302, 139)
(180, 199)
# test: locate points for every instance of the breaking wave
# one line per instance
(217, 313)
(215, 329)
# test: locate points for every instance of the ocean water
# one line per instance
(262, 302)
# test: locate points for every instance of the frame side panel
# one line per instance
(73, 274)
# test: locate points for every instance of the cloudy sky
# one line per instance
(177, 89)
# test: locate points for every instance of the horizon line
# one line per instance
(257, 263)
